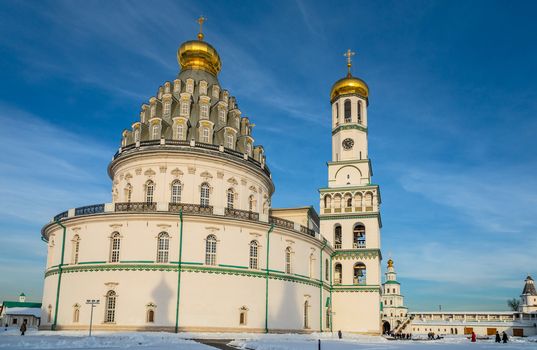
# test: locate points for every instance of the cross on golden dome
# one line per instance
(349, 55)
(200, 21)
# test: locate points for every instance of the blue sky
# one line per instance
(452, 120)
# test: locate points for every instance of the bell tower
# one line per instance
(350, 217)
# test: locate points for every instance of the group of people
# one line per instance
(432, 336)
(402, 336)
(503, 338)
(499, 339)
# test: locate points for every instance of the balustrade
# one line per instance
(282, 222)
(190, 208)
(241, 214)
(136, 206)
(90, 209)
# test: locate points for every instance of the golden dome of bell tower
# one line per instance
(349, 84)
(197, 54)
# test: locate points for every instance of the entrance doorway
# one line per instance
(386, 328)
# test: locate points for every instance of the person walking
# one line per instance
(23, 328)
(473, 337)
(504, 337)
(498, 338)
(339, 334)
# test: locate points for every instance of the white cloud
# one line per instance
(45, 167)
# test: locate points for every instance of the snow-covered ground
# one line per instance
(166, 341)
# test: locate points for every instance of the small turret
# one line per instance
(528, 299)
(22, 297)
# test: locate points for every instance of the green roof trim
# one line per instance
(21, 304)
(391, 282)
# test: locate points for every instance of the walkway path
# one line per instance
(216, 343)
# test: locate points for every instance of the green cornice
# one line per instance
(190, 267)
(391, 282)
(348, 127)
(353, 216)
(356, 288)
(357, 254)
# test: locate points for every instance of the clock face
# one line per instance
(348, 143)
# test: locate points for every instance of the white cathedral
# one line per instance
(190, 241)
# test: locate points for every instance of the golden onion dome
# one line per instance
(349, 85)
(390, 263)
(197, 54)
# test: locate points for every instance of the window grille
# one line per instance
(210, 250)
(110, 313)
(163, 246)
(204, 195)
(253, 255)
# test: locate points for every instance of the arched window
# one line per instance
(205, 135)
(347, 108)
(358, 239)
(252, 203)
(204, 194)
(128, 193)
(306, 315)
(167, 108)
(338, 273)
(176, 191)
(254, 255)
(115, 245)
(338, 240)
(348, 201)
(358, 201)
(288, 262)
(326, 270)
(149, 191)
(327, 201)
(359, 273)
(179, 132)
(369, 201)
(136, 135)
(75, 249)
(184, 108)
(163, 247)
(229, 141)
(327, 317)
(359, 111)
(337, 203)
(312, 266)
(155, 132)
(110, 307)
(150, 316)
(76, 313)
(204, 111)
(230, 198)
(243, 316)
(210, 250)
(222, 116)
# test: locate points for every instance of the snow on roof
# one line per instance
(30, 311)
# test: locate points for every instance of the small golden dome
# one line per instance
(197, 54)
(390, 263)
(349, 85)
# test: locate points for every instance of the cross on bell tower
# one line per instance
(349, 55)
(201, 20)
